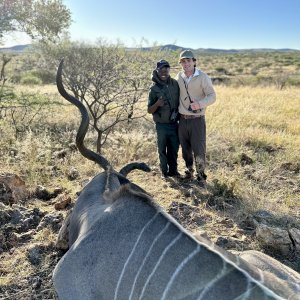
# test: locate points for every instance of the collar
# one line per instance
(196, 73)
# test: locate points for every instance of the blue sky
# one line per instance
(226, 24)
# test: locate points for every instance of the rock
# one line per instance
(17, 215)
(34, 254)
(14, 184)
(275, 238)
(262, 215)
(60, 154)
(249, 223)
(12, 239)
(57, 191)
(2, 238)
(22, 219)
(52, 220)
(36, 282)
(73, 173)
(42, 193)
(230, 243)
(5, 195)
(18, 224)
(5, 217)
(62, 201)
(189, 193)
(201, 233)
(222, 242)
(24, 237)
(13, 152)
(72, 147)
(53, 170)
(269, 148)
(84, 182)
(292, 167)
(245, 160)
(62, 241)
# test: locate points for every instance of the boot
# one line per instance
(189, 173)
(201, 178)
(173, 173)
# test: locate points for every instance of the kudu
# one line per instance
(123, 246)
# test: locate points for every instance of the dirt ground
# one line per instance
(28, 231)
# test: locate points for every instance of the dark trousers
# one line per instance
(192, 136)
(168, 146)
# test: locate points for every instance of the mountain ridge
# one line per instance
(172, 47)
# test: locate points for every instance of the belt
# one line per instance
(189, 116)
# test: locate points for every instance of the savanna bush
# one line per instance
(221, 70)
(264, 80)
(294, 81)
(46, 76)
(30, 79)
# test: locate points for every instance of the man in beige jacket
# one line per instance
(196, 93)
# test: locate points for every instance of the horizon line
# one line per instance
(206, 48)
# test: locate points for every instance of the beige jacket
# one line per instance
(200, 89)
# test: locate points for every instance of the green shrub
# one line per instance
(221, 70)
(254, 71)
(264, 65)
(294, 81)
(16, 78)
(6, 94)
(30, 79)
(46, 76)
(264, 80)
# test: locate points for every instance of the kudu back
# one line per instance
(123, 246)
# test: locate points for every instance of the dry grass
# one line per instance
(264, 124)
(261, 123)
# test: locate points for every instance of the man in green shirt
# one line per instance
(163, 104)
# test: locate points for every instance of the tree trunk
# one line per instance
(5, 61)
(99, 140)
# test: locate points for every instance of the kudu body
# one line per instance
(123, 246)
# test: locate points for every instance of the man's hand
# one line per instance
(160, 102)
(195, 105)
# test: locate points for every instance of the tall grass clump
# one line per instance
(254, 140)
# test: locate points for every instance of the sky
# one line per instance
(221, 24)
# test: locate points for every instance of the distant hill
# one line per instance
(171, 47)
(17, 48)
(254, 50)
(212, 50)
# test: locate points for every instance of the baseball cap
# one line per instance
(162, 63)
(186, 54)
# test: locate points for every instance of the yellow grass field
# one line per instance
(253, 151)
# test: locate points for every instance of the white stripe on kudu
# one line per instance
(132, 251)
(158, 262)
(209, 285)
(178, 269)
(146, 257)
